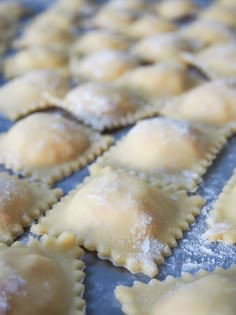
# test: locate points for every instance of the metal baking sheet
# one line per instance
(191, 254)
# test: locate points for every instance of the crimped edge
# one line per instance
(171, 106)
(44, 198)
(196, 202)
(223, 235)
(125, 297)
(198, 169)
(64, 246)
(49, 175)
(195, 61)
(146, 110)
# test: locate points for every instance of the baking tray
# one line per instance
(192, 253)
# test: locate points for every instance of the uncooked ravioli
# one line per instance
(122, 218)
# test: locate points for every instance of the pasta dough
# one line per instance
(162, 47)
(176, 9)
(102, 66)
(42, 277)
(208, 32)
(148, 25)
(20, 203)
(103, 105)
(48, 146)
(205, 293)
(99, 40)
(124, 219)
(211, 103)
(222, 219)
(166, 152)
(164, 79)
(35, 58)
(28, 92)
(217, 61)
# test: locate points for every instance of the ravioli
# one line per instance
(35, 58)
(114, 18)
(208, 32)
(42, 277)
(28, 93)
(102, 66)
(49, 146)
(222, 219)
(148, 25)
(165, 152)
(211, 103)
(204, 293)
(220, 13)
(45, 36)
(217, 61)
(21, 202)
(105, 106)
(176, 9)
(99, 40)
(164, 79)
(124, 219)
(162, 47)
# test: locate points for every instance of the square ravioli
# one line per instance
(35, 58)
(222, 218)
(160, 47)
(206, 293)
(102, 66)
(49, 146)
(220, 13)
(28, 93)
(105, 106)
(42, 277)
(212, 103)
(21, 202)
(217, 61)
(176, 9)
(166, 152)
(113, 18)
(166, 78)
(98, 40)
(124, 219)
(45, 36)
(208, 32)
(149, 24)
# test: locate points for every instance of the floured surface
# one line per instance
(192, 253)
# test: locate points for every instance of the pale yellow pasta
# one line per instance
(165, 152)
(222, 219)
(102, 66)
(164, 79)
(49, 146)
(51, 269)
(124, 219)
(99, 40)
(212, 103)
(104, 105)
(176, 9)
(21, 202)
(206, 293)
(35, 58)
(28, 93)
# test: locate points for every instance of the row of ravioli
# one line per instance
(126, 219)
(110, 89)
(131, 209)
(88, 42)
